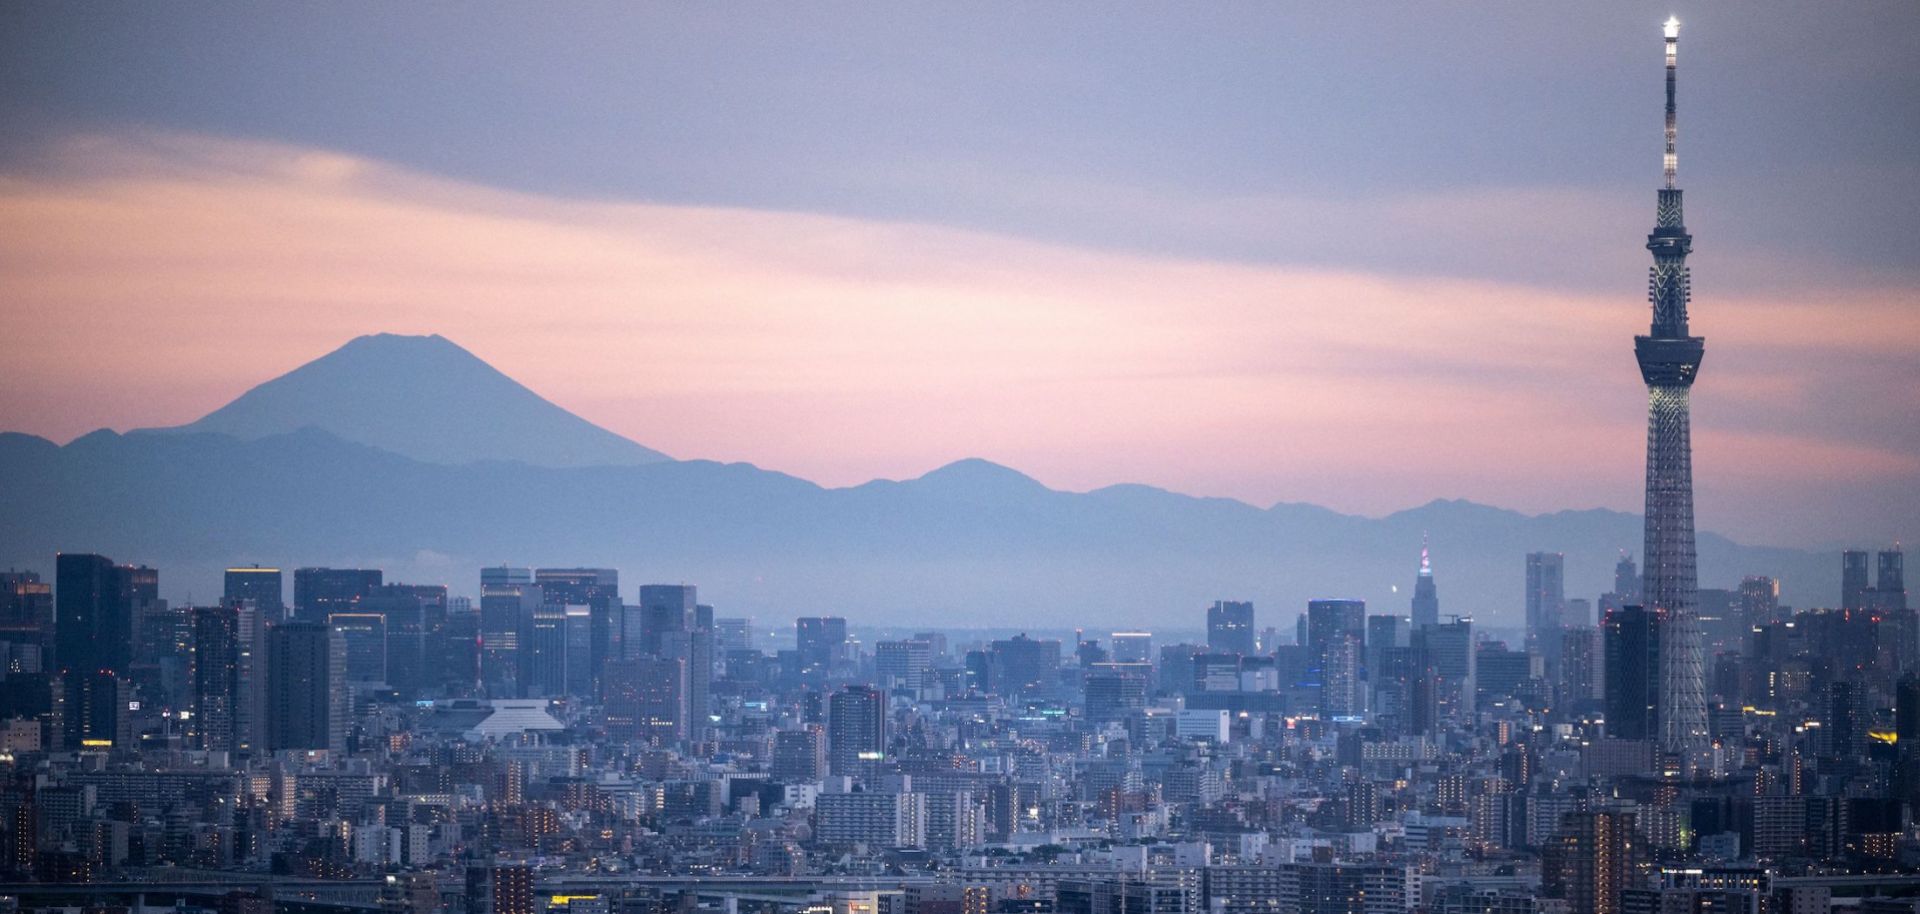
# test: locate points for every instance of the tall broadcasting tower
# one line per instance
(1669, 359)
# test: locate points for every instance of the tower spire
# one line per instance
(1669, 358)
(1671, 163)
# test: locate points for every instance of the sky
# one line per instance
(1362, 256)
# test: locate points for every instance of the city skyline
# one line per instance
(393, 632)
(810, 334)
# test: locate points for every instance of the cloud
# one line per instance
(148, 278)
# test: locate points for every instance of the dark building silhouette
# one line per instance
(306, 687)
(94, 632)
(597, 589)
(646, 699)
(261, 585)
(664, 609)
(817, 639)
(1546, 599)
(1856, 586)
(415, 620)
(1890, 582)
(800, 755)
(1230, 628)
(1632, 642)
(508, 601)
(26, 623)
(216, 678)
(1024, 666)
(856, 728)
(1113, 694)
(321, 592)
(675, 625)
(1445, 670)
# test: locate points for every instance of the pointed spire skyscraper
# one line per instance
(1426, 600)
(1669, 360)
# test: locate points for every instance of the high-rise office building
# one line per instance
(817, 641)
(1132, 647)
(415, 618)
(1328, 620)
(216, 678)
(1546, 598)
(250, 704)
(1580, 667)
(1669, 358)
(1023, 666)
(1856, 584)
(1626, 579)
(646, 699)
(1230, 628)
(365, 638)
(664, 608)
(26, 623)
(856, 728)
(1336, 641)
(1112, 694)
(555, 651)
(800, 755)
(1385, 633)
(732, 634)
(1890, 582)
(307, 701)
(1426, 597)
(321, 592)
(94, 633)
(261, 585)
(1626, 587)
(1632, 637)
(508, 601)
(597, 589)
(1759, 600)
(902, 664)
(1576, 612)
(675, 624)
(1445, 668)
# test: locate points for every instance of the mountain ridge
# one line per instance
(290, 478)
(767, 542)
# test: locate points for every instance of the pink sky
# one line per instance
(151, 278)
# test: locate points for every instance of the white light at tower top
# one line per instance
(1672, 26)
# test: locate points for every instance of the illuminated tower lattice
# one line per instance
(1669, 360)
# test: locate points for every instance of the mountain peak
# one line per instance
(422, 397)
(978, 474)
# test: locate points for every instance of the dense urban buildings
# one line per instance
(1374, 764)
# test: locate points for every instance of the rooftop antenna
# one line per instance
(1671, 163)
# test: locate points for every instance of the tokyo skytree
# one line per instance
(1669, 360)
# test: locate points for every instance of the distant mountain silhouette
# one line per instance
(425, 398)
(971, 544)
